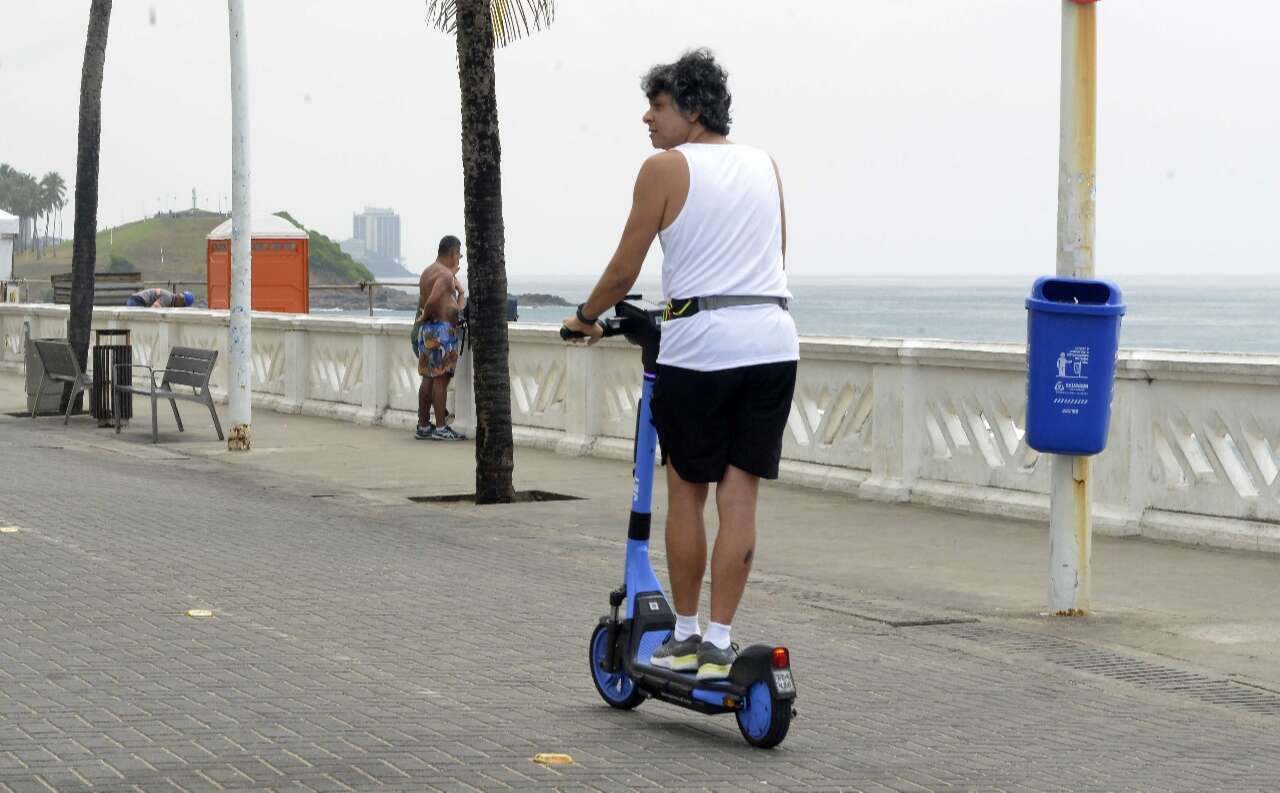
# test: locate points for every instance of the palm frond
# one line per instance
(512, 19)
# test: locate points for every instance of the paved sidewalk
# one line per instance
(362, 641)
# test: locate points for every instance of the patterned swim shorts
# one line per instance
(439, 344)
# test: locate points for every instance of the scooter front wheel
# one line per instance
(616, 688)
(762, 719)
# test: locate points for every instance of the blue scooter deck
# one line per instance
(689, 679)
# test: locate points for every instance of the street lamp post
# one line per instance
(240, 363)
(1070, 498)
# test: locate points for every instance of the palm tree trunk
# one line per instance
(85, 251)
(486, 271)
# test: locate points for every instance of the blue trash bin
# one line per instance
(1073, 334)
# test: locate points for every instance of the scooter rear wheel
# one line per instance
(616, 688)
(763, 720)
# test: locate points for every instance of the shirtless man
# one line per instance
(440, 300)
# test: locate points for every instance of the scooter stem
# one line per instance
(639, 573)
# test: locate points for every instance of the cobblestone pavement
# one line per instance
(364, 646)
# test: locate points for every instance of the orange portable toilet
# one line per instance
(279, 266)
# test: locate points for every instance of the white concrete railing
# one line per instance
(356, 369)
(1194, 451)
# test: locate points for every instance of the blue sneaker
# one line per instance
(425, 433)
(447, 433)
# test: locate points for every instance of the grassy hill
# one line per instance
(179, 236)
(180, 239)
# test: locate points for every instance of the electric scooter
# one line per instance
(760, 690)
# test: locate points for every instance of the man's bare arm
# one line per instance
(648, 201)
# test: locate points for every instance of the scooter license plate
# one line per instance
(782, 681)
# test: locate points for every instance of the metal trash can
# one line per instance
(106, 357)
(1073, 335)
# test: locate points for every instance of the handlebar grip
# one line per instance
(611, 326)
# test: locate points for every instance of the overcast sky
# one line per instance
(914, 136)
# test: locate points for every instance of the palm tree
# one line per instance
(29, 199)
(84, 249)
(479, 26)
(20, 194)
(54, 190)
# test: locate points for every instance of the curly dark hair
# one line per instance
(697, 84)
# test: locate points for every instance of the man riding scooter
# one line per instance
(729, 348)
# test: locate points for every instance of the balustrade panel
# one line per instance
(618, 383)
(270, 360)
(831, 415)
(12, 353)
(145, 338)
(1215, 449)
(402, 376)
(335, 367)
(975, 426)
(46, 326)
(538, 380)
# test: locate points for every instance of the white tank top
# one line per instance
(727, 240)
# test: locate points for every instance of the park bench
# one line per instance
(58, 363)
(186, 367)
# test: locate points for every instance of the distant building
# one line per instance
(375, 242)
(379, 230)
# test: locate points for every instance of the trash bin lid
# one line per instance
(1076, 296)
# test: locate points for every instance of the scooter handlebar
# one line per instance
(612, 327)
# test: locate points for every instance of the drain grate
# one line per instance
(1127, 669)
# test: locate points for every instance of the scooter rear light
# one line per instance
(781, 658)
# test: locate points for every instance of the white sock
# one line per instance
(718, 634)
(686, 627)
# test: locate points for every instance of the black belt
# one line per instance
(680, 308)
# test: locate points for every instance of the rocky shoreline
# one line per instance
(539, 299)
(356, 298)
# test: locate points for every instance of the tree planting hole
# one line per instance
(522, 497)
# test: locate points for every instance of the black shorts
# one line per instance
(707, 421)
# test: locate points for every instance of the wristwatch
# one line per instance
(583, 318)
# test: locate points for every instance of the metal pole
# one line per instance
(369, 286)
(240, 396)
(1070, 499)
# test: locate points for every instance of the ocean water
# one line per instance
(1234, 314)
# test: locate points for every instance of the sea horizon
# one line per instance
(1198, 313)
